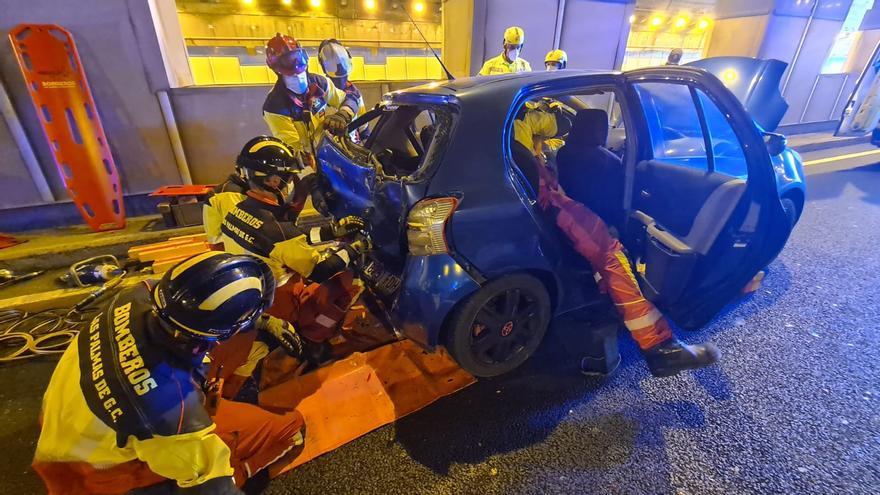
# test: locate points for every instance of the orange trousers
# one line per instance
(591, 239)
(255, 437)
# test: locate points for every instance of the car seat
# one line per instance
(587, 171)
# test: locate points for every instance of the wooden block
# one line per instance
(192, 237)
(174, 251)
(135, 251)
(163, 265)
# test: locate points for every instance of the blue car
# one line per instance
(702, 196)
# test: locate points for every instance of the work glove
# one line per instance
(347, 226)
(284, 334)
(337, 123)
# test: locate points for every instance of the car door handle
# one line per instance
(644, 194)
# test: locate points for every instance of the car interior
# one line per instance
(683, 195)
(401, 139)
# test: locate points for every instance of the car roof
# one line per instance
(466, 87)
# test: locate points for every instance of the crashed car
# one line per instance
(464, 258)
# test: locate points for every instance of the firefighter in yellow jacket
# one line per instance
(296, 108)
(262, 155)
(128, 405)
(509, 60)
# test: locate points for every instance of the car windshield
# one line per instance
(405, 139)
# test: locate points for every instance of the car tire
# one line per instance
(790, 210)
(500, 326)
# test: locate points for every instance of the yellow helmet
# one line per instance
(558, 57)
(514, 35)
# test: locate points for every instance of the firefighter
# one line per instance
(556, 60)
(296, 108)
(665, 355)
(315, 285)
(509, 60)
(260, 157)
(337, 63)
(128, 407)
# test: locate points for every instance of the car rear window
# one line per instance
(406, 139)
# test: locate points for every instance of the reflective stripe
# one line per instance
(597, 277)
(325, 321)
(342, 253)
(182, 267)
(264, 144)
(628, 303)
(315, 235)
(643, 321)
(229, 291)
(624, 262)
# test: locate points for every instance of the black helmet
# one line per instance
(263, 156)
(212, 296)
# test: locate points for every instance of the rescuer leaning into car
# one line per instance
(315, 286)
(126, 407)
(295, 108)
(665, 355)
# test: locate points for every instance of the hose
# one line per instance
(26, 335)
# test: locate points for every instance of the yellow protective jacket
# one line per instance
(116, 397)
(499, 65)
(295, 119)
(533, 127)
(253, 227)
(214, 211)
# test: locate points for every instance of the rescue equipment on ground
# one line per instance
(46, 332)
(64, 105)
(8, 277)
(91, 271)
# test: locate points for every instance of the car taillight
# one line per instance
(426, 226)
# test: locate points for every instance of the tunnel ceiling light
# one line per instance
(703, 24)
(656, 21)
(419, 7)
(247, 2)
(370, 4)
(315, 3)
(632, 19)
(680, 22)
(287, 3)
(729, 76)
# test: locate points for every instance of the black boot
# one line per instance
(671, 357)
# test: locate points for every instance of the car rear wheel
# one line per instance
(791, 211)
(500, 326)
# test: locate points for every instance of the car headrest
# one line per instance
(590, 127)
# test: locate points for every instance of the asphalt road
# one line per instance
(791, 408)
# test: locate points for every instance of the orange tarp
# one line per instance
(353, 396)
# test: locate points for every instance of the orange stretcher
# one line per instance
(59, 90)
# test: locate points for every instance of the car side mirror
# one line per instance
(776, 143)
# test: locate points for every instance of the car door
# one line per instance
(704, 215)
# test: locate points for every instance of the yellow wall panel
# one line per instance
(416, 67)
(395, 68)
(201, 70)
(226, 70)
(374, 72)
(433, 69)
(357, 69)
(254, 74)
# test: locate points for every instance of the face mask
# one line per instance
(299, 83)
(512, 54)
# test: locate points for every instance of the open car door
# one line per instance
(704, 215)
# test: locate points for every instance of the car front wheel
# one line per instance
(500, 326)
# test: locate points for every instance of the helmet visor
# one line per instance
(291, 63)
